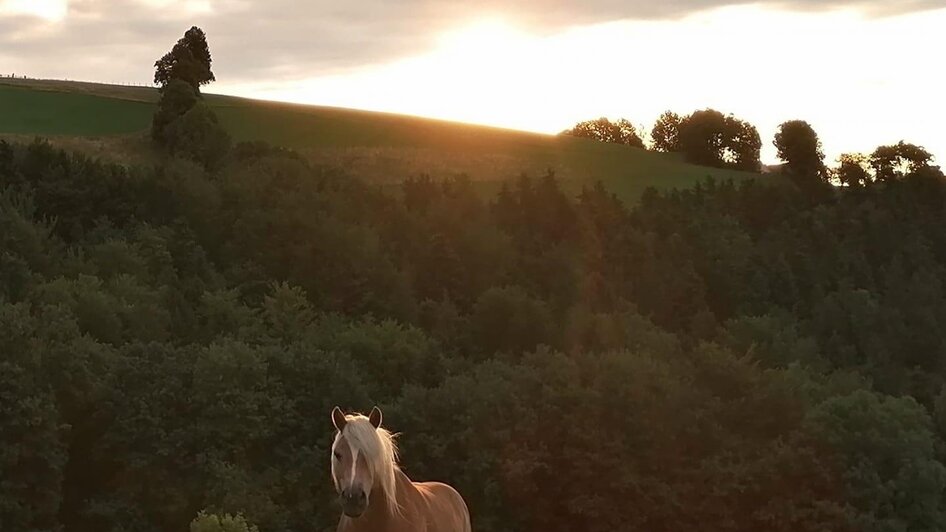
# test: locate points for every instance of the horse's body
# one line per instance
(376, 495)
(425, 506)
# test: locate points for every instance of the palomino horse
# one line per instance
(376, 495)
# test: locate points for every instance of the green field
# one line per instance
(27, 111)
(110, 121)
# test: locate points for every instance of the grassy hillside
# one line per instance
(380, 147)
(29, 111)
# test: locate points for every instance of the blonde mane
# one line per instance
(379, 449)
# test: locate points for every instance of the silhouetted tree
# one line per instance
(853, 170)
(628, 134)
(710, 138)
(703, 137)
(743, 145)
(182, 125)
(189, 61)
(798, 145)
(895, 162)
(602, 129)
(665, 135)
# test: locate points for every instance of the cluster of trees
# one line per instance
(798, 145)
(604, 130)
(729, 357)
(710, 138)
(705, 137)
(885, 164)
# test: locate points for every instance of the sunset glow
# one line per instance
(858, 80)
(51, 10)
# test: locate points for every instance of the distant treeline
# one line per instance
(710, 138)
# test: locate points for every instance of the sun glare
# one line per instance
(190, 7)
(763, 65)
(51, 10)
(487, 37)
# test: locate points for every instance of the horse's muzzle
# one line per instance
(354, 502)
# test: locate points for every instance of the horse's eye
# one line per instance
(337, 456)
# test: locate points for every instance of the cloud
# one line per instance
(118, 40)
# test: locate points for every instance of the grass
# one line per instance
(25, 111)
(381, 147)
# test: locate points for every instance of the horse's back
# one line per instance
(447, 509)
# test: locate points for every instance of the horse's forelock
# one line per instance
(379, 449)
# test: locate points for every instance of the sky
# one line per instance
(863, 73)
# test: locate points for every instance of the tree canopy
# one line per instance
(603, 130)
(853, 170)
(710, 138)
(189, 60)
(174, 336)
(799, 147)
(665, 134)
(895, 162)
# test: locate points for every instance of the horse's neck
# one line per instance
(377, 517)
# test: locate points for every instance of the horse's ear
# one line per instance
(375, 417)
(338, 418)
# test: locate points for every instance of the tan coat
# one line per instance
(425, 507)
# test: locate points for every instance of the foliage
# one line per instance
(639, 435)
(798, 145)
(727, 357)
(189, 60)
(32, 452)
(744, 145)
(665, 134)
(898, 161)
(710, 138)
(198, 136)
(886, 164)
(183, 124)
(177, 99)
(853, 170)
(506, 319)
(603, 130)
(205, 522)
(894, 480)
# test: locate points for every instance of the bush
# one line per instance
(205, 522)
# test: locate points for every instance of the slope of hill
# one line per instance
(380, 147)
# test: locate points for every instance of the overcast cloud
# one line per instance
(118, 40)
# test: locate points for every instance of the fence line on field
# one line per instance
(14, 75)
